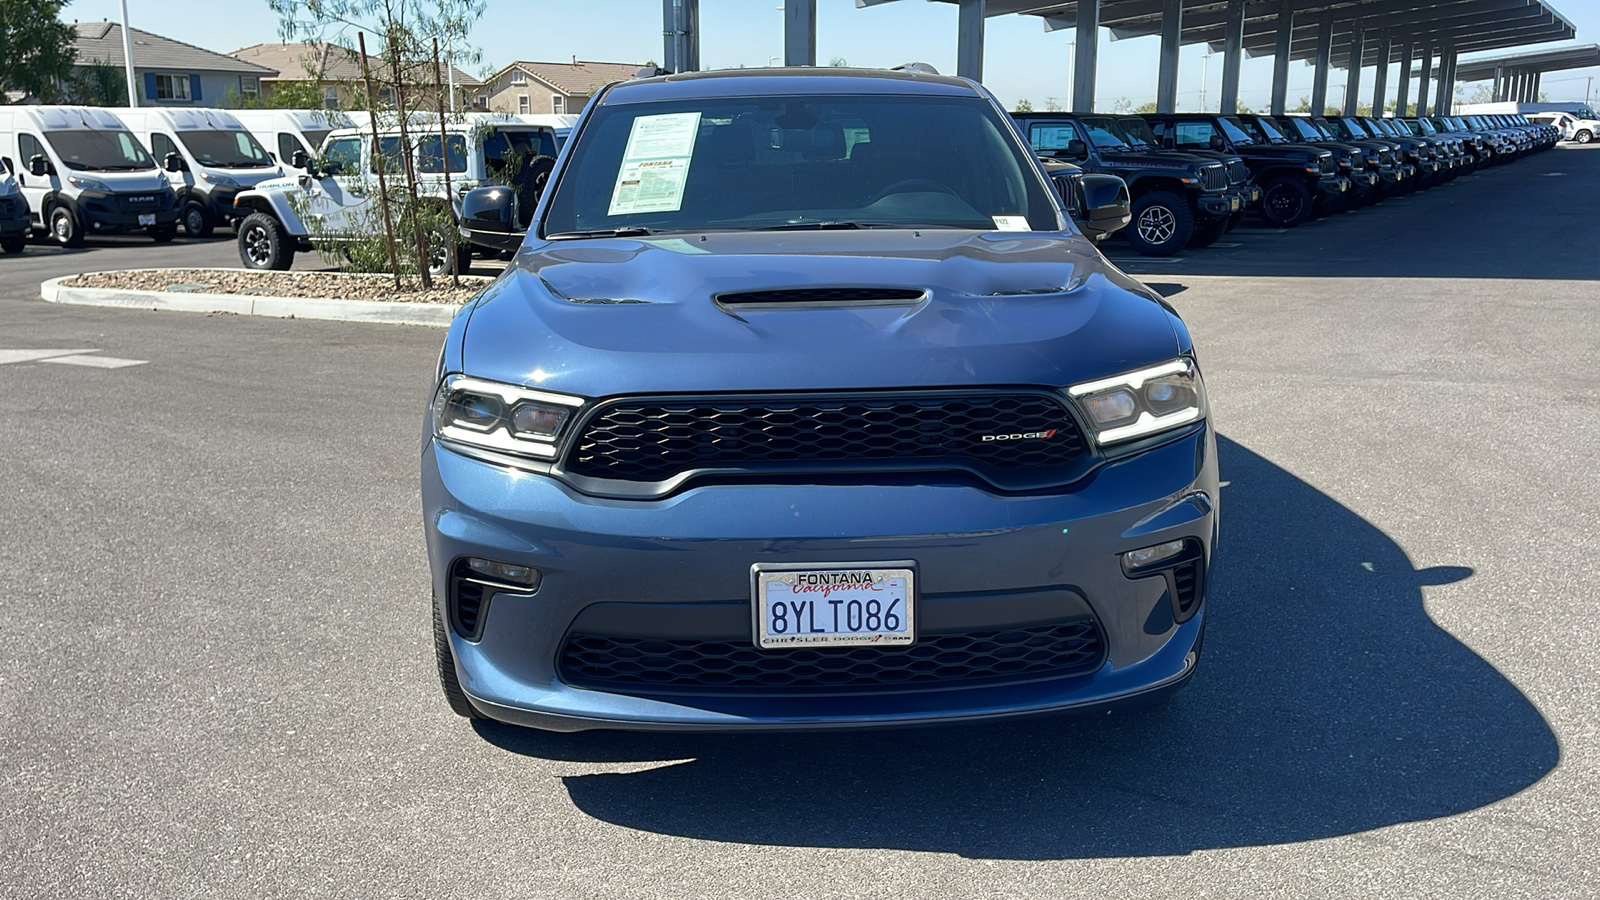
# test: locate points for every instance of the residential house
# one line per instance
(546, 87)
(337, 71)
(168, 72)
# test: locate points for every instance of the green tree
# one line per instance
(839, 62)
(36, 54)
(1024, 105)
(97, 84)
(1145, 109)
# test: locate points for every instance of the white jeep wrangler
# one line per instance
(337, 200)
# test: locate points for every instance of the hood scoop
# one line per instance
(821, 296)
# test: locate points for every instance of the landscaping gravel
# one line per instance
(334, 285)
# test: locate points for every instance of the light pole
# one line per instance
(127, 56)
(1205, 64)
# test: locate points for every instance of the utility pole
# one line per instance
(127, 57)
(1205, 63)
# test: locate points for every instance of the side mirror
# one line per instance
(331, 167)
(174, 163)
(1217, 143)
(300, 160)
(38, 165)
(1077, 149)
(1106, 205)
(489, 218)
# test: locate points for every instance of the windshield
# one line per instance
(1425, 125)
(1584, 112)
(1138, 133)
(1299, 127)
(225, 149)
(315, 138)
(1235, 130)
(99, 151)
(1266, 126)
(1104, 133)
(750, 163)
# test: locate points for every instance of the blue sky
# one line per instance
(1023, 60)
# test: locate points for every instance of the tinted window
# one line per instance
(28, 147)
(287, 145)
(345, 153)
(227, 149)
(161, 145)
(1103, 132)
(99, 150)
(1193, 135)
(765, 162)
(1051, 137)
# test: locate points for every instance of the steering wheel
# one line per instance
(909, 185)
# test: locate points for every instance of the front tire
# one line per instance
(1286, 202)
(264, 245)
(1162, 224)
(197, 222)
(1583, 137)
(64, 228)
(1209, 231)
(453, 695)
(13, 244)
(163, 234)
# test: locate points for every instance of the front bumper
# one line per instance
(1219, 203)
(14, 218)
(1363, 179)
(1333, 184)
(978, 554)
(110, 213)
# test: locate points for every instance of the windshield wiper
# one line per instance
(626, 231)
(837, 225)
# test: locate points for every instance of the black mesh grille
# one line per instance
(823, 295)
(653, 440)
(1186, 586)
(1214, 178)
(8, 208)
(658, 666)
(1238, 172)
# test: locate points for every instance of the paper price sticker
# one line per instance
(1010, 223)
(655, 165)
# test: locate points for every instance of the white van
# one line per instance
(284, 132)
(14, 224)
(210, 152)
(1573, 127)
(82, 172)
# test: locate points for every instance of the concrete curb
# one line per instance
(387, 312)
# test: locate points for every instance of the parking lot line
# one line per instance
(96, 362)
(16, 356)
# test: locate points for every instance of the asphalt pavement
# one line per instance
(218, 679)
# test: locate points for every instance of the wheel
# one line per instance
(13, 244)
(444, 254)
(1286, 201)
(1326, 205)
(162, 234)
(197, 222)
(1583, 137)
(1208, 231)
(263, 243)
(64, 228)
(447, 669)
(1162, 224)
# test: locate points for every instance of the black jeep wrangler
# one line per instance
(1352, 160)
(1177, 201)
(1291, 177)
(1137, 132)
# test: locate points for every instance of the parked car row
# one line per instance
(1194, 176)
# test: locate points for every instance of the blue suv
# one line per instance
(804, 405)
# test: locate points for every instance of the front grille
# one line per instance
(1186, 587)
(1213, 178)
(1329, 165)
(8, 208)
(1385, 156)
(823, 295)
(652, 440)
(1358, 162)
(936, 661)
(134, 202)
(1238, 172)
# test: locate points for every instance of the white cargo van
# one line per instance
(210, 152)
(82, 172)
(285, 132)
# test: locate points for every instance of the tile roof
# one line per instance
(102, 41)
(296, 62)
(578, 78)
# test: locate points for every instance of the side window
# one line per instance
(160, 146)
(427, 158)
(346, 153)
(547, 143)
(1195, 135)
(1051, 138)
(287, 145)
(28, 147)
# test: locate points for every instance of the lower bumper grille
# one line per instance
(935, 662)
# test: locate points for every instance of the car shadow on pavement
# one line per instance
(1327, 703)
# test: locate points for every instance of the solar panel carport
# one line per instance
(1516, 75)
(1354, 33)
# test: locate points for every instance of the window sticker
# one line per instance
(1010, 223)
(655, 166)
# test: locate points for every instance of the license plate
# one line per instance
(1233, 204)
(147, 218)
(834, 606)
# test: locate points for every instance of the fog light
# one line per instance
(511, 573)
(1138, 559)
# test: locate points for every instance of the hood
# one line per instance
(1280, 151)
(1153, 158)
(137, 180)
(619, 316)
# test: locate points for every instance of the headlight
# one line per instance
(161, 180)
(1142, 402)
(501, 417)
(7, 187)
(218, 180)
(88, 184)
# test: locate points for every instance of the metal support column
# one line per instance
(1422, 80)
(1380, 76)
(1499, 78)
(1319, 84)
(680, 34)
(1402, 96)
(1280, 56)
(1088, 52)
(799, 32)
(1450, 79)
(969, 39)
(1533, 89)
(1167, 74)
(1232, 50)
(1352, 85)
(1441, 97)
